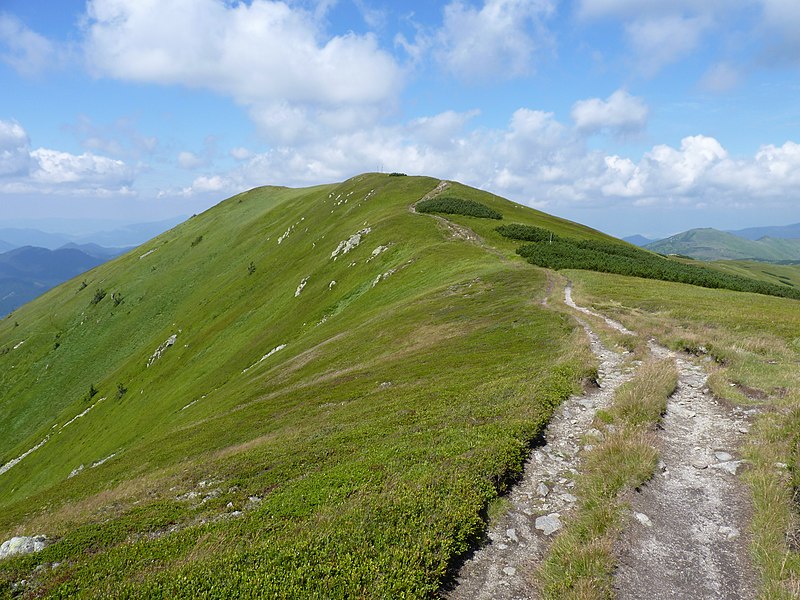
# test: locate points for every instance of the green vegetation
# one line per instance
(555, 252)
(580, 562)
(756, 347)
(457, 206)
(282, 442)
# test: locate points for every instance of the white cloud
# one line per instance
(24, 50)
(620, 113)
(497, 41)
(534, 159)
(49, 171)
(659, 42)
(190, 160)
(240, 153)
(86, 170)
(15, 158)
(266, 55)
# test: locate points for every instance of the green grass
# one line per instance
(404, 401)
(754, 342)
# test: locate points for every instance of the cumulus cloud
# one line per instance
(15, 157)
(295, 70)
(620, 113)
(534, 159)
(52, 171)
(24, 50)
(498, 40)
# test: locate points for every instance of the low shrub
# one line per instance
(622, 259)
(457, 206)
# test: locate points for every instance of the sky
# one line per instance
(630, 116)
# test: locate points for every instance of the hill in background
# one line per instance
(712, 244)
(791, 232)
(28, 272)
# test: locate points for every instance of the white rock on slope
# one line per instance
(22, 545)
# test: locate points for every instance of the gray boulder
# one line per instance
(22, 545)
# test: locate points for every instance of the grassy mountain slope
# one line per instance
(346, 435)
(711, 244)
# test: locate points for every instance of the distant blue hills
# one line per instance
(33, 261)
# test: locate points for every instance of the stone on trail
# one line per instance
(549, 524)
(723, 456)
(643, 519)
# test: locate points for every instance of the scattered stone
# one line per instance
(699, 463)
(22, 545)
(781, 465)
(568, 498)
(730, 466)
(512, 535)
(729, 532)
(346, 245)
(643, 519)
(723, 456)
(542, 490)
(510, 571)
(300, 287)
(229, 505)
(743, 430)
(75, 471)
(502, 546)
(331, 284)
(549, 524)
(162, 348)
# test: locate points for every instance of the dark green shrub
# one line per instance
(623, 259)
(457, 206)
(527, 233)
(99, 294)
(197, 240)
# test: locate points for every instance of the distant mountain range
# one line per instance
(28, 272)
(638, 240)
(785, 232)
(124, 236)
(712, 244)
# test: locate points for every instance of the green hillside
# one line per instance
(300, 392)
(711, 244)
(297, 385)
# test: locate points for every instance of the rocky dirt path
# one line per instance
(503, 569)
(687, 533)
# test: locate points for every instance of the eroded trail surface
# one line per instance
(687, 535)
(503, 569)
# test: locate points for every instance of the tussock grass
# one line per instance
(580, 562)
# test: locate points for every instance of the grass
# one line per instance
(348, 461)
(754, 350)
(580, 562)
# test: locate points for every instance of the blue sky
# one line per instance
(632, 116)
